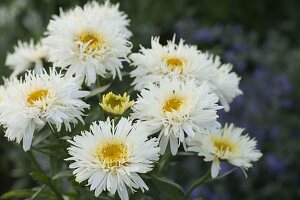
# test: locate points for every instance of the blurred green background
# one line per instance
(261, 39)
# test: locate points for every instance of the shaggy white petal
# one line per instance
(177, 109)
(111, 157)
(227, 144)
(89, 41)
(39, 99)
(186, 62)
(26, 55)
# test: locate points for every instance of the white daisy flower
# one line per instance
(110, 12)
(111, 158)
(40, 99)
(87, 44)
(226, 144)
(26, 55)
(176, 109)
(226, 85)
(186, 62)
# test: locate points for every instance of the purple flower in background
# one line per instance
(284, 82)
(229, 55)
(238, 29)
(274, 131)
(204, 193)
(203, 35)
(240, 47)
(273, 164)
(225, 167)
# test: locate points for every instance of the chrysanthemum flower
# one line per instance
(110, 12)
(40, 99)
(227, 144)
(186, 62)
(226, 84)
(176, 109)
(111, 158)
(26, 55)
(87, 43)
(116, 104)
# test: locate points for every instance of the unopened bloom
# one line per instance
(112, 157)
(39, 99)
(186, 62)
(227, 144)
(116, 104)
(87, 43)
(27, 55)
(177, 109)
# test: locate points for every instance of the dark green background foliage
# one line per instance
(261, 39)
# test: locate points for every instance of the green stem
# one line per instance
(39, 169)
(164, 161)
(34, 162)
(57, 136)
(197, 183)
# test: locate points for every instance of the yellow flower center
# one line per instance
(223, 145)
(94, 41)
(174, 63)
(173, 104)
(36, 96)
(113, 154)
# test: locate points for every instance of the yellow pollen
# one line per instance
(222, 145)
(113, 154)
(94, 41)
(36, 96)
(174, 63)
(173, 104)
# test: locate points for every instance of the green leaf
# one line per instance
(168, 189)
(98, 90)
(41, 137)
(185, 154)
(66, 173)
(38, 191)
(223, 175)
(17, 194)
(197, 183)
(28, 193)
(66, 138)
(40, 177)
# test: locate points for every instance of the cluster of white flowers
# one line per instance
(180, 91)
(185, 62)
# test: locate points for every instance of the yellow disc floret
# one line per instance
(92, 41)
(174, 63)
(173, 104)
(223, 145)
(36, 96)
(112, 154)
